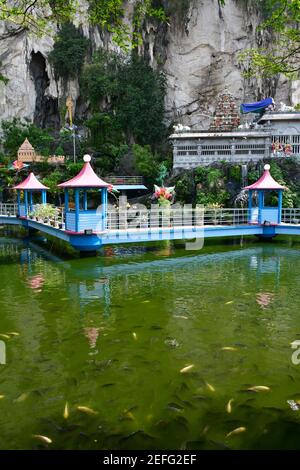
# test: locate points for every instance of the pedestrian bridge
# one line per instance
(134, 225)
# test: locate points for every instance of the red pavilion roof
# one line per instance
(86, 178)
(266, 181)
(31, 182)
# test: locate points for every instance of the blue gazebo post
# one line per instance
(280, 193)
(77, 209)
(104, 207)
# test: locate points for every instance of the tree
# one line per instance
(37, 16)
(67, 55)
(140, 103)
(282, 18)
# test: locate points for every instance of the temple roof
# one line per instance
(26, 146)
(31, 182)
(266, 181)
(86, 178)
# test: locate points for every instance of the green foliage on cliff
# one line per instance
(68, 53)
(126, 98)
(282, 54)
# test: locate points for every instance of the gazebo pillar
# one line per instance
(104, 208)
(280, 193)
(26, 202)
(44, 196)
(66, 201)
(85, 204)
(260, 205)
(77, 208)
(19, 201)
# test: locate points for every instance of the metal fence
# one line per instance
(126, 219)
(8, 209)
(290, 216)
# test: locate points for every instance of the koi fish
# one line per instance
(134, 335)
(230, 302)
(21, 398)
(210, 387)
(187, 369)
(236, 431)
(4, 336)
(259, 388)
(228, 348)
(87, 410)
(66, 411)
(44, 439)
(228, 406)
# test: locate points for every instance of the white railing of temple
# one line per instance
(9, 210)
(172, 218)
(290, 216)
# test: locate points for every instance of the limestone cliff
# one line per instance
(197, 50)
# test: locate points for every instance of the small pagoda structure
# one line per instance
(226, 117)
(27, 154)
(262, 214)
(81, 219)
(30, 185)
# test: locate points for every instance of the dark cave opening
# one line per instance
(46, 108)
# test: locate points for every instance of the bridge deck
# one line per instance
(94, 241)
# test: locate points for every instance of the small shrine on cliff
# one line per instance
(27, 154)
(226, 117)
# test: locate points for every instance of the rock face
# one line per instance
(197, 51)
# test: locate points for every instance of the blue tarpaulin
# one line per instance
(258, 107)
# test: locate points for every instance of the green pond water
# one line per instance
(112, 333)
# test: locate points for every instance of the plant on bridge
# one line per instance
(44, 212)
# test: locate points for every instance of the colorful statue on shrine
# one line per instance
(164, 196)
(288, 150)
(277, 148)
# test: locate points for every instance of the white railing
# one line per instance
(9, 209)
(290, 216)
(171, 218)
(124, 179)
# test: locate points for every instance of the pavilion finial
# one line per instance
(87, 158)
(267, 167)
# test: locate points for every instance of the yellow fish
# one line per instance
(44, 439)
(229, 348)
(181, 316)
(134, 336)
(4, 336)
(228, 406)
(145, 301)
(187, 369)
(21, 398)
(13, 333)
(236, 431)
(210, 387)
(259, 388)
(87, 410)
(1, 397)
(230, 302)
(66, 411)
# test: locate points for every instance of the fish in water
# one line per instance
(2, 335)
(259, 388)
(22, 398)
(236, 431)
(13, 333)
(66, 411)
(181, 316)
(228, 348)
(1, 397)
(187, 369)
(41, 438)
(230, 302)
(210, 387)
(87, 410)
(228, 406)
(293, 405)
(134, 335)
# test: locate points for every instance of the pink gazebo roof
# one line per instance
(86, 178)
(266, 181)
(32, 183)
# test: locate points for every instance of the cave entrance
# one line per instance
(46, 108)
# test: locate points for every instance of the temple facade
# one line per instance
(27, 154)
(275, 134)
